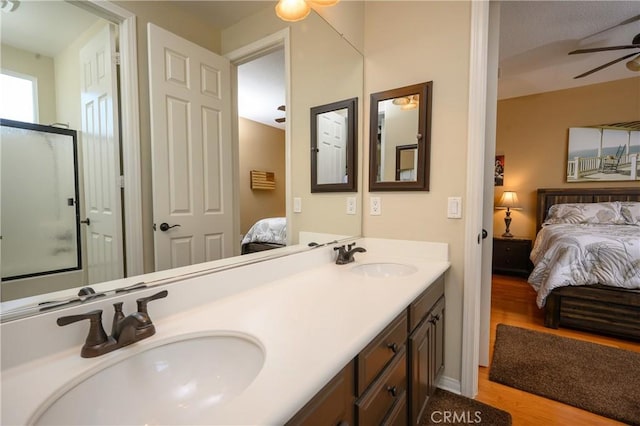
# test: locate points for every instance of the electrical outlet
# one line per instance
(297, 205)
(351, 205)
(375, 206)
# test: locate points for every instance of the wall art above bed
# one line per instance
(607, 152)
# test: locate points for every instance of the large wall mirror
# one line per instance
(334, 140)
(318, 57)
(400, 139)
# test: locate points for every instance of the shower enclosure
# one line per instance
(40, 215)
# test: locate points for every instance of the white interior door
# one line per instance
(101, 157)
(332, 148)
(190, 91)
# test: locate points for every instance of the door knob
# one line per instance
(87, 221)
(164, 226)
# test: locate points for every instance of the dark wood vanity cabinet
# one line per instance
(333, 405)
(390, 381)
(381, 380)
(427, 360)
(425, 347)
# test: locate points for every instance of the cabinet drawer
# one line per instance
(378, 353)
(377, 403)
(423, 303)
(333, 405)
(398, 414)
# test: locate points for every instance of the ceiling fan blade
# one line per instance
(605, 65)
(625, 22)
(603, 49)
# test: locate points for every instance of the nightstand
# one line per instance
(511, 256)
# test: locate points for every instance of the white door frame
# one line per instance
(238, 57)
(130, 126)
(474, 194)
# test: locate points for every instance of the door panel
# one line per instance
(101, 157)
(190, 91)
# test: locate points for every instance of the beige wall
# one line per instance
(261, 148)
(532, 134)
(408, 43)
(41, 67)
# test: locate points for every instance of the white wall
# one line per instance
(408, 43)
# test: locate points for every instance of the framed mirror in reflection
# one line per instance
(334, 147)
(400, 139)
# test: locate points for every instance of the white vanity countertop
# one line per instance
(310, 323)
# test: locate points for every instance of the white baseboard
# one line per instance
(449, 384)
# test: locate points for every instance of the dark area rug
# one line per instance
(597, 378)
(446, 408)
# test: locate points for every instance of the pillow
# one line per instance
(630, 211)
(585, 213)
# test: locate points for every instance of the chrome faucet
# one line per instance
(125, 330)
(345, 255)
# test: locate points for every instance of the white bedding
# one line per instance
(585, 254)
(270, 230)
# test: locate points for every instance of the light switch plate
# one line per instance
(351, 205)
(375, 206)
(297, 205)
(454, 207)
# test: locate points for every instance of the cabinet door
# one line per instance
(437, 343)
(333, 405)
(420, 374)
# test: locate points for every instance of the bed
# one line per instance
(265, 234)
(571, 297)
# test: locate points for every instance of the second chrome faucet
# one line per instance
(125, 330)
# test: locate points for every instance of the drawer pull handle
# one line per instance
(393, 347)
(392, 390)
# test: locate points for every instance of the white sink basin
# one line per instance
(177, 383)
(384, 270)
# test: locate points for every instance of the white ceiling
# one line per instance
(44, 27)
(535, 37)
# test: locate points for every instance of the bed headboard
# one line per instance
(548, 197)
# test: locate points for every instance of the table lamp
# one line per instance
(508, 200)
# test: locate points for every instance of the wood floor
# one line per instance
(513, 303)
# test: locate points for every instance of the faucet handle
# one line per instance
(96, 335)
(350, 246)
(142, 302)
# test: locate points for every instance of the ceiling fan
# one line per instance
(632, 65)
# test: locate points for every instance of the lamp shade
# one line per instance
(292, 10)
(509, 200)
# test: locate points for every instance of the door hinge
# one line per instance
(116, 58)
(121, 181)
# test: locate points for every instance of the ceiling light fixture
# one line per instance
(9, 5)
(297, 10)
(292, 10)
(634, 64)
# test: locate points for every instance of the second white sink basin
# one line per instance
(384, 270)
(177, 383)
